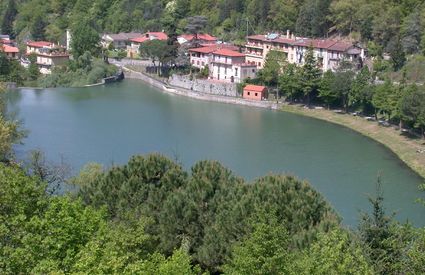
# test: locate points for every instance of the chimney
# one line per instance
(287, 34)
(292, 36)
(68, 40)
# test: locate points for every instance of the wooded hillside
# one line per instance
(390, 25)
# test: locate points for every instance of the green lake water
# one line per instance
(108, 124)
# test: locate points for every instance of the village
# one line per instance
(226, 64)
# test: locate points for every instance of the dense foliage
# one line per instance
(389, 24)
(151, 217)
(349, 88)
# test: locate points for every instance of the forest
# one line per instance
(387, 25)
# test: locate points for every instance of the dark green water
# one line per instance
(108, 124)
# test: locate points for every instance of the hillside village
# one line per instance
(226, 62)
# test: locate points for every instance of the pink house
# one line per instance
(254, 92)
(10, 51)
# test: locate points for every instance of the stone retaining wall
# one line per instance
(204, 86)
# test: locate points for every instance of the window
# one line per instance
(259, 64)
(203, 63)
(253, 70)
(193, 61)
(256, 94)
(197, 62)
(236, 71)
(249, 93)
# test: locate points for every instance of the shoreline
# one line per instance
(406, 149)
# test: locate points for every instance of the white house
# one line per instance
(48, 55)
(229, 65)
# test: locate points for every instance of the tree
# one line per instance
(8, 18)
(398, 57)
(375, 231)
(381, 98)
(264, 251)
(413, 109)
(310, 75)
(289, 82)
(158, 50)
(273, 66)
(411, 33)
(84, 38)
(326, 92)
(334, 252)
(33, 70)
(195, 25)
(38, 28)
(361, 90)
(342, 83)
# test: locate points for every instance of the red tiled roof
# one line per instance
(227, 52)
(139, 39)
(158, 35)
(255, 88)
(147, 36)
(316, 43)
(39, 44)
(201, 36)
(279, 39)
(213, 48)
(9, 49)
(340, 46)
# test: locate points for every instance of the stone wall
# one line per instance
(204, 86)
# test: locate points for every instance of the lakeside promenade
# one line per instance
(410, 150)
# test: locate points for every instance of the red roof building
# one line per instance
(254, 92)
(135, 42)
(202, 38)
(10, 51)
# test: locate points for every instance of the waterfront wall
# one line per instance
(204, 86)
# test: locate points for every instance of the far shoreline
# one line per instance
(406, 149)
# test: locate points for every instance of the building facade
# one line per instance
(48, 55)
(228, 65)
(135, 42)
(328, 53)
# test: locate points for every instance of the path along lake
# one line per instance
(108, 124)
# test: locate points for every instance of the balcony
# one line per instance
(257, 55)
(253, 45)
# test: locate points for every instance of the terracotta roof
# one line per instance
(149, 36)
(201, 36)
(340, 46)
(158, 35)
(9, 49)
(123, 35)
(139, 39)
(278, 39)
(213, 48)
(39, 44)
(316, 43)
(255, 88)
(227, 52)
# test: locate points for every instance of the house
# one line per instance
(254, 92)
(10, 51)
(135, 42)
(48, 55)
(201, 57)
(118, 40)
(327, 52)
(258, 46)
(203, 38)
(229, 65)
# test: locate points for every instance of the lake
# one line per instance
(108, 124)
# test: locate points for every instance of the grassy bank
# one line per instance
(404, 147)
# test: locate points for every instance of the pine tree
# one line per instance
(310, 75)
(8, 18)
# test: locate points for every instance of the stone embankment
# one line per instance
(171, 89)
